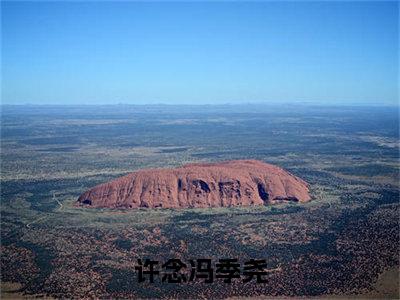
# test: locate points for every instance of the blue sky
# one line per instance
(199, 52)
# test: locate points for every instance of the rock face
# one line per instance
(230, 183)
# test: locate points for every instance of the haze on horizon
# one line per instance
(200, 52)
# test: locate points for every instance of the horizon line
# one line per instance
(304, 103)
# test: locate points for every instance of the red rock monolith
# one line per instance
(223, 184)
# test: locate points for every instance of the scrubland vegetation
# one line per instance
(338, 244)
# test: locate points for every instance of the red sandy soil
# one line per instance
(230, 183)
